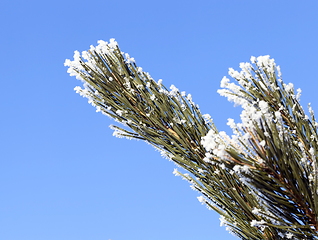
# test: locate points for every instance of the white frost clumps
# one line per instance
(262, 143)
(175, 172)
(207, 118)
(215, 145)
(289, 235)
(129, 59)
(263, 60)
(77, 89)
(224, 82)
(263, 106)
(289, 87)
(74, 65)
(201, 199)
(266, 62)
(238, 169)
(174, 90)
(153, 97)
(255, 223)
(312, 153)
(103, 47)
(213, 142)
(208, 141)
(234, 74)
(112, 43)
(119, 112)
(256, 211)
(298, 94)
(278, 116)
(223, 221)
(231, 123)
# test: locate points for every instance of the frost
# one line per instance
(207, 118)
(174, 90)
(119, 112)
(129, 59)
(289, 235)
(201, 199)
(113, 43)
(256, 211)
(288, 87)
(263, 106)
(224, 82)
(231, 123)
(298, 94)
(175, 172)
(255, 223)
(278, 115)
(152, 97)
(223, 221)
(263, 60)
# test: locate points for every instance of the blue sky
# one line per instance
(63, 176)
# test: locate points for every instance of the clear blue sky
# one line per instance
(63, 176)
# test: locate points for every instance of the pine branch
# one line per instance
(262, 181)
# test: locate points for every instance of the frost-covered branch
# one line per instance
(262, 180)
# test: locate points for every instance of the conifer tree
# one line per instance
(262, 180)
